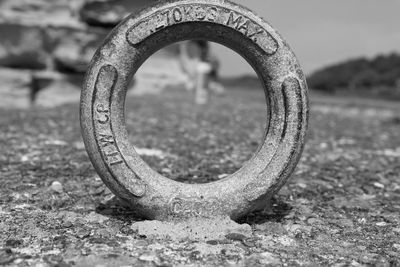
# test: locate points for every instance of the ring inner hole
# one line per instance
(196, 111)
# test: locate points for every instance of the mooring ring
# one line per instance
(125, 50)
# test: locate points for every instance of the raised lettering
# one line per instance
(177, 207)
(114, 158)
(192, 206)
(177, 15)
(232, 21)
(106, 140)
(212, 14)
(244, 27)
(162, 20)
(187, 11)
(201, 13)
(103, 114)
(253, 35)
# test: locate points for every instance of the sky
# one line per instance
(323, 32)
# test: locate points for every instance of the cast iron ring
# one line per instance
(124, 51)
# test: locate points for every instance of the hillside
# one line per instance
(378, 77)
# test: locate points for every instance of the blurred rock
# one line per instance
(14, 89)
(194, 229)
(57, 40)
(56, 48)
(42, 12)
(57, 187)
(38, 34)
(110, 13)
(268, 258)
(73, 49)
(6, 256)
(22, 46)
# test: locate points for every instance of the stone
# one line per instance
(96, 218)
(57, 41)
(73, 49)
(15, 89)
(13, 243)
(57, 187)
(197, 229)
(6, 256)
(110, 13)
(56, 93)
(269, 258)
(22, 46)
(149, 258)
(235, 237)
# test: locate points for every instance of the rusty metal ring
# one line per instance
(121, 55)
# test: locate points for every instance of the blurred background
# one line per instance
(349, 49)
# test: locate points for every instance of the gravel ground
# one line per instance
(340, 208)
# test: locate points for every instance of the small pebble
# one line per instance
(267, 258)
(57, 187)
(381, 224)
(301, 185)
(235, 236)
(148, 257)
(313, 221)
(323, 145)
(379, 185)
(222, 176)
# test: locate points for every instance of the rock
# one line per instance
(57, 187)
(46, 36)
(345, 223)
(22, 46)
(194, 229)
(13, 243)
(58, 93)
(267, 258)
(298, 228)
(95, 217)
(149, 258)
(42, 12)
(313, 221)
(222, 176)
(286, 241)
(110, 13)
(15, 87)
(271, 228)
(55, 143)
(73, 54)
(381, 224)
(235, 237)
(378, 185)
(6, 256)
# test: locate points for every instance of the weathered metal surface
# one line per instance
(124, 51)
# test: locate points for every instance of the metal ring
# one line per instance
(121, 55)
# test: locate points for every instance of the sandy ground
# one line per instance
(341, 207)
